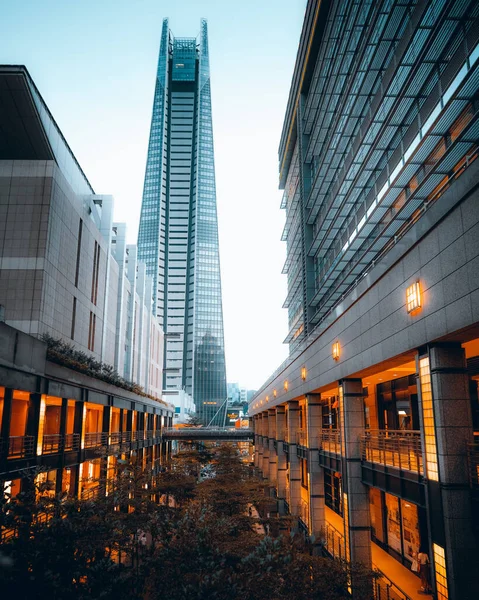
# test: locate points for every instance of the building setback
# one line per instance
(369, 430)
(178, 235)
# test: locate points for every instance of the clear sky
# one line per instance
(94, 62)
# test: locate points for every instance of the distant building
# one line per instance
(178, 235)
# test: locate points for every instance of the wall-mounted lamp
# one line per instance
(303, 373)
(286, 385)
(336, 350)
(413, 297)
(275, 393)
(267, 398)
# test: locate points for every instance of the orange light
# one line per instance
(267, 398)
(303, 373)
(286, 385)
(413, 297)
(275, 393)
(336, 350)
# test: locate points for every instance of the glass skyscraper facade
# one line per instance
(178, 235)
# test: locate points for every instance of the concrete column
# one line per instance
(449, 495)
(256, 427)
(265, 467)
(259, 449)
(282, 466)
(294, 465)
(273, 454)
(315, 471)
(355, 493)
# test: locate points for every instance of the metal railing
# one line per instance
(400, 449)
(302, 437)
(51, 443)
(71, 442)
(303, 512)
(385, 589)
(334, 541)
(473, 461)
(95, 439)
(90, 493)
(21, 446)
(331, 441)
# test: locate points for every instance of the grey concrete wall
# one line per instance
(372, 324)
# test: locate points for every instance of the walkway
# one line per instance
(402, 577)
(207, 433)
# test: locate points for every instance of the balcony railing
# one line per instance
(51, 443)
(331, 441)
(158, 434)
(334, 541)
(400, 449)
(302, 437)
(95, 439)
(72, 442)
(473, 458)
(90, 493)
(21, 446)
(304, 512)
(385, 589)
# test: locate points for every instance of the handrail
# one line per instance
(331, 441)
(385, 589)
(334, 541)
(20, 446)
(401, 449)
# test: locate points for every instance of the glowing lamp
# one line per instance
(413, 297)
(336, 350)
(286, 385)
(303, 373)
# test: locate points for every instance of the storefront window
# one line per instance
(393, 523)
(410, 529)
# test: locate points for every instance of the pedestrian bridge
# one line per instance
(225, 434)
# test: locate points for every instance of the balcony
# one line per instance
(52, 443)
(331, 441)
(398, 449)
(334, 541)
(95, 439)
(302, 438)
(21, 446)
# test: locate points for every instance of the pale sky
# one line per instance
(94, 62)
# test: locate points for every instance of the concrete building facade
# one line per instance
(368, 431)
(65, 267)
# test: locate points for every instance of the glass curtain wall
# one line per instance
(178, 237)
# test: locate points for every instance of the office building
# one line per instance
(66, 271)
(178, 235)
(369, 430)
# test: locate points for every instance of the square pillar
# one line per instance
(315, 471)
(282, 464)
(273, 454)
(265, 467)
(259, 449)
(355, 494)
(446, 431)
(294, 464)
(256, 429)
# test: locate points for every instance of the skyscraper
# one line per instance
(178, 235)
